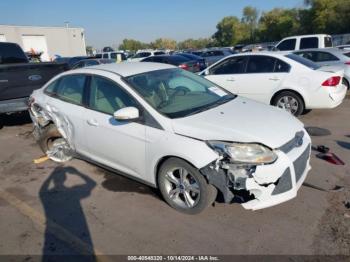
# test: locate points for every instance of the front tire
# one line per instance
(184, 188)
(54, 145)
(289, 101)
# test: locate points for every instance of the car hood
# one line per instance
(240, 120)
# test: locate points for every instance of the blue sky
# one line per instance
(107, 22)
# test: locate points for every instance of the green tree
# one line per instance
(250, 18)
(329, 16)
(164, 43)
(231, 31)
(278, 23)
(195, 43)
(131, 44)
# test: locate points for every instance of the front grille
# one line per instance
(296, 141)
(301, 162)
(284, 183)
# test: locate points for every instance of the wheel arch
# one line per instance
(162, 160)
(289, 90)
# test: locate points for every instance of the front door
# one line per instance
(117, 144)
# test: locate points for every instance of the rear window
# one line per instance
(328, 42)
(11, 53)
(308, 42)
(287, 45)
(347, 54)
(260, 64)
(142, 54)
(176, 59)
(158, 53)
(303, 61)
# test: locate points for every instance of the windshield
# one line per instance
(303, 61)
(178, 93)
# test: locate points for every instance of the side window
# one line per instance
(91, 63)
(328, 42)
(308, 42)
(307, 55)
(260, 64)
(50, 89)
(219, 53)
(281, 67)
(78, 65)
(286, 45)
(149, 59)
(105, 56)
(235, 65)
(324, 57)
(71, 88)
(107, 96)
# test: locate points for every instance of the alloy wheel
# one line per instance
(288, 103)
(182, 188)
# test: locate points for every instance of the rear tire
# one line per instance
(54, 145)
(190, 194)
(289, 101)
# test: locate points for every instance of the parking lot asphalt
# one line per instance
(78, 208)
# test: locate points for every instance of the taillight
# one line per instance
(184, 66)
(347, 63)
(332, 81)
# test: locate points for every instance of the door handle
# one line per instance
(274, 79)
(231, 79)
(92, 122)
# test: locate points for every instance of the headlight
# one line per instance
(244, 153)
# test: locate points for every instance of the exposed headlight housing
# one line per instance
(243, 153)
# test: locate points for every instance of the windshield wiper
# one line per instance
(221, 101)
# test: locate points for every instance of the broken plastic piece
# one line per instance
(322, 149)
(331, 158)
(41, 160)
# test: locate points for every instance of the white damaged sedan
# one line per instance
(175, 131)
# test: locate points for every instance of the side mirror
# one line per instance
(127, 113)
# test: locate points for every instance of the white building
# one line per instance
(51, 41)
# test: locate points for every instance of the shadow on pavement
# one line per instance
(344, 144)
(67, 231)
(119, 183)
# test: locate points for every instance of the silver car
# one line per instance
(329, 57)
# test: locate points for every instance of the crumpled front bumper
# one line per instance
(270, 184)
(279, 182)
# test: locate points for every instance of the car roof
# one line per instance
(299, 36)
(125, 69)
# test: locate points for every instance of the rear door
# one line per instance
(228, 72)
(262, 76)
(66, 103)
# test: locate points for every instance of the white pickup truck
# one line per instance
(300, 42)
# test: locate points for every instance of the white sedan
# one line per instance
(283, 80)
(173, 130)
